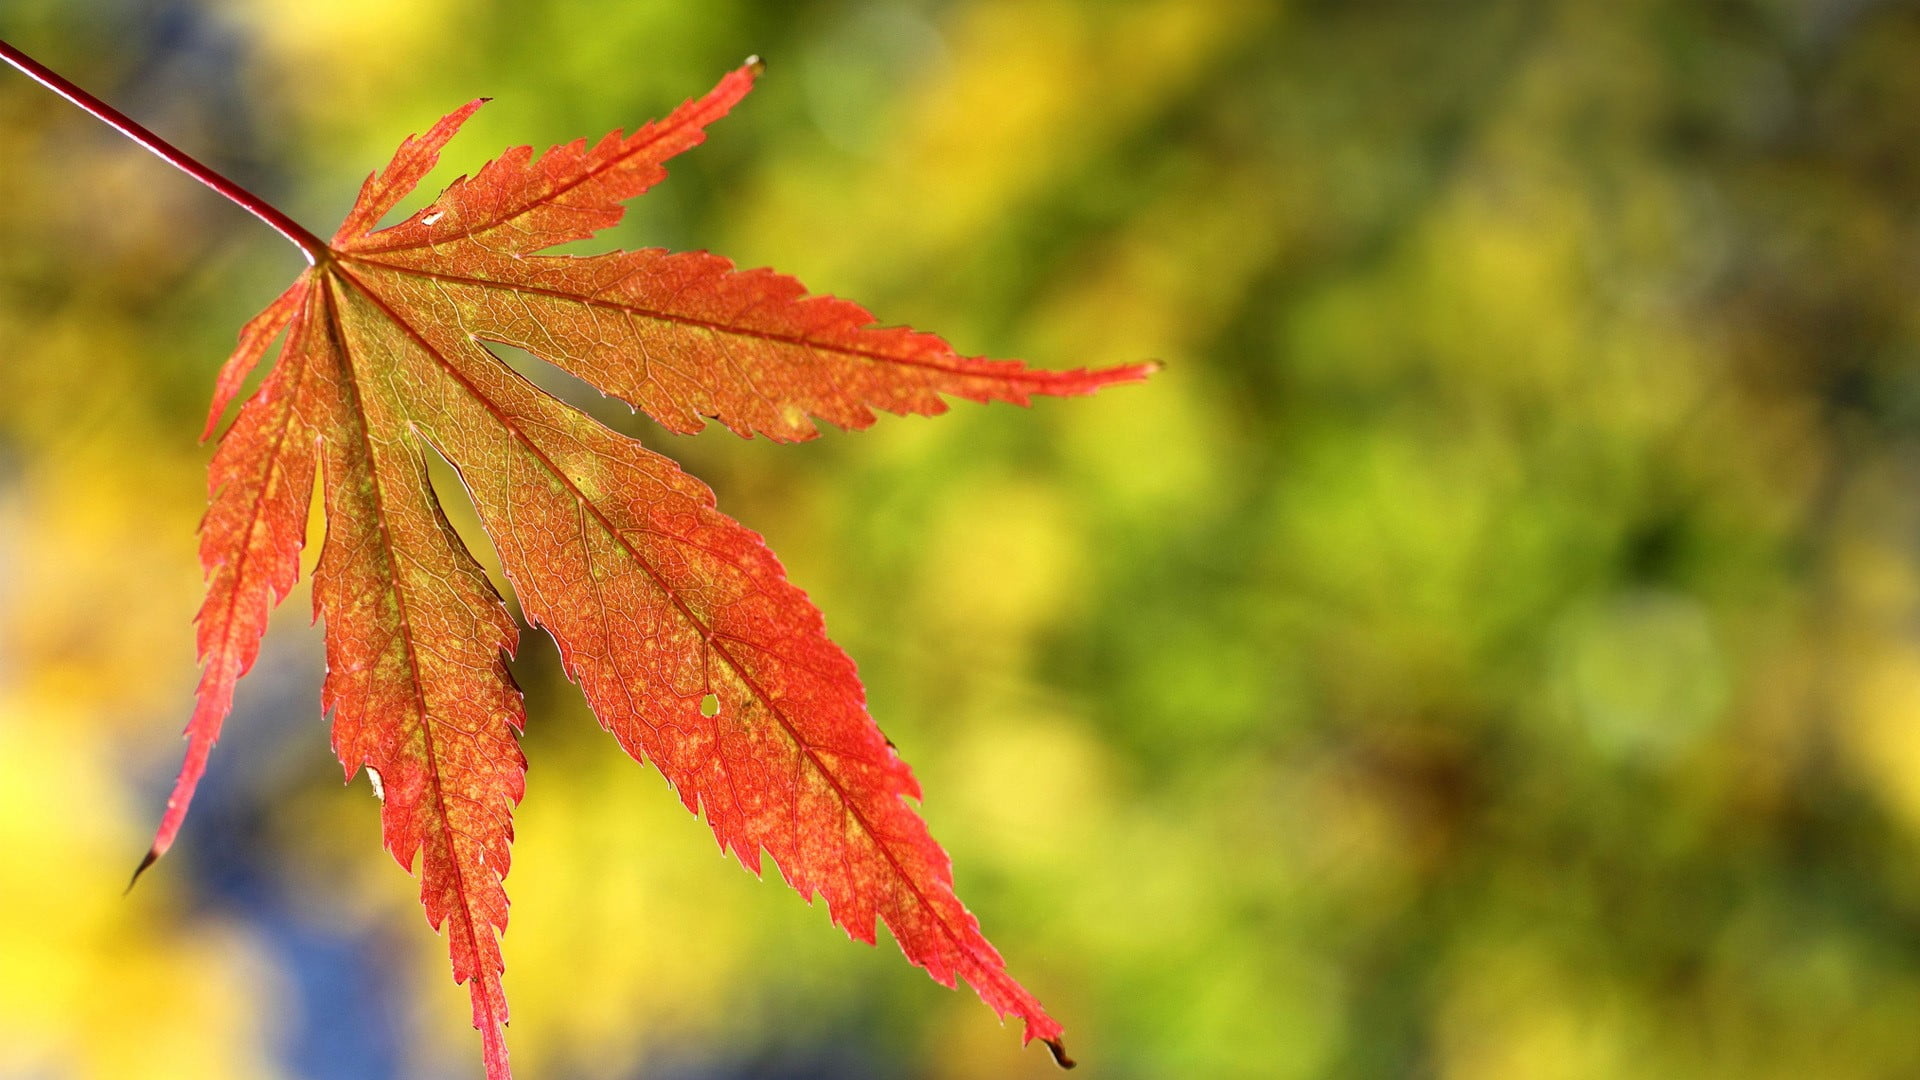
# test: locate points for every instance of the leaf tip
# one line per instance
(1133, 373)
(152, 856)
(1059, 1051)
(755, 66)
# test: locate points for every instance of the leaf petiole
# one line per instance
(314, 248)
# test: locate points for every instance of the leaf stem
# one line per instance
(314, 248)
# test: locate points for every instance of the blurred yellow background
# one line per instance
(1490, 650)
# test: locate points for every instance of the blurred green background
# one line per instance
(1491, 649)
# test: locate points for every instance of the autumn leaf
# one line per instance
(692, 647)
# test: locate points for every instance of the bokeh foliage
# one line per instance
(1491, 649)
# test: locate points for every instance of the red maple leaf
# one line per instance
(679, 624)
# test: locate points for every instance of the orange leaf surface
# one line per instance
(661, 604)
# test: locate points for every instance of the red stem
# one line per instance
(314, 248)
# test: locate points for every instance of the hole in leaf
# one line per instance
(710, 705)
